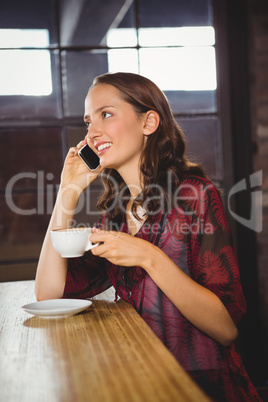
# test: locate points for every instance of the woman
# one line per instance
(169, 252)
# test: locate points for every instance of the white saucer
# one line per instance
(57, 308)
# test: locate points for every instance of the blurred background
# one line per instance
(210, 57)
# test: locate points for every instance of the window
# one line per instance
(25, 72)
(175, 59)
(50, 51)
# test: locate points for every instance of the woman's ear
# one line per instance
(151, 124)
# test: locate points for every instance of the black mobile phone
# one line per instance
(89, 157)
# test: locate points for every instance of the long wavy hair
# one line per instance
(163, 155)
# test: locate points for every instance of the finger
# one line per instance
(100, 250)
(81, 144)
(102, 235)
(98, 237)
(73, 151)
(97, 230)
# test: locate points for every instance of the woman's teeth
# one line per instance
(106, 145)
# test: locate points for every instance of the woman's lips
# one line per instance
(103, 147)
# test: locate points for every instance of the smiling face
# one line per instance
(115, 130)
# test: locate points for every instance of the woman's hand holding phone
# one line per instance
(76, 171)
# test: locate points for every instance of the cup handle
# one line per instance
(90, 246)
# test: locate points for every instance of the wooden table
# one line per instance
(107, 353)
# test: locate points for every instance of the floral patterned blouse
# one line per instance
(195, 235)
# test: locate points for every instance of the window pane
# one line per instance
(87, 23)
(25, 72)
(185, 68)
(185, 36)
(122, 37)
(123, 60)
(41, 86)
(16, 38)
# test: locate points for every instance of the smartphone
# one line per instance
(89, 157)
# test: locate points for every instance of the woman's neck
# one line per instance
(132, 180)
(133, 223)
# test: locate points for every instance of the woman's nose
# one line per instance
(93, 131)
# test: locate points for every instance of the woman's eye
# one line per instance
(88, 124)
(106, 114)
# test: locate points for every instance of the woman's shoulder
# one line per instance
(198, 183)
(197, 195)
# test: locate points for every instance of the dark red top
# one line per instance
(195, 235)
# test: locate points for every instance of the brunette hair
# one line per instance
(163, 154)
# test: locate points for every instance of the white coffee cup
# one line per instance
(73, 242)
